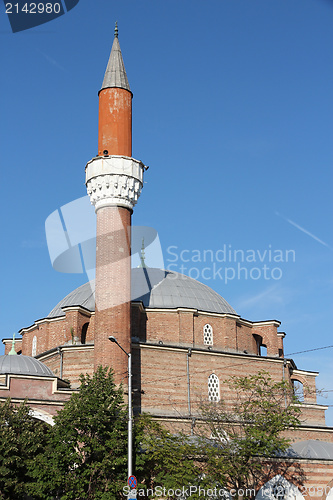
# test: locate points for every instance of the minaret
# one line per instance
(114, 180)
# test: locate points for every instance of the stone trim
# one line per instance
(304, 372)
(44, 402)
(64, 348)
(194, 311)
(198, 350)
(80, 309)
(272, 322)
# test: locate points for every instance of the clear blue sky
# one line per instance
(233, 114)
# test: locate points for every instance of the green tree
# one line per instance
(22, 440)
(87, 455)
(248, 440)
(239, 444)
(165, 460)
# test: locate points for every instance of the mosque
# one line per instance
(185, 339)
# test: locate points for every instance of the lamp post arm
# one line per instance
(127, 354)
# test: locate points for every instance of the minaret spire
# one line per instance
(115, 107)
(115, 74)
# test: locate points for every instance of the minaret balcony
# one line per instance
(114, 181)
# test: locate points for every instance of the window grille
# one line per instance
(34, 346)
(213, 388)
(208, 335)
(279, 491)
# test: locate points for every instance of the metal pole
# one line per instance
(61, 361)
(189, 352)
(130, 419)
(284, 389)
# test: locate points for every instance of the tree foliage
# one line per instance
(87, 454)
(164, 459)
(248, 432)
(239, 443)
(22, 439)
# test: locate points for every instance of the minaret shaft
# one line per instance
(114, 180)
(115, 122)
(113, 289)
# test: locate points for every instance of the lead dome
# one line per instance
(23, 365)
(156, 289)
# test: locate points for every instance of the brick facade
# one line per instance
(162, 339)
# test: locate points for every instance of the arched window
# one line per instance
(330, 493)
(34, 346)
(208, 334)
(298, 390)
(258, 340)
(213, 388)
(278, 488)
(84, 333)
(45, 417)
(263, 350)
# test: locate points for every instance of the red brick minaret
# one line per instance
(114, 180)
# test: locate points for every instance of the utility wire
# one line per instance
(310, 350)
(206, 370)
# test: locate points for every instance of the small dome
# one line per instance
(313, 448)
(155, 288)
(23, 365)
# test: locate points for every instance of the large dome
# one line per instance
(23, 365)
(155, 288)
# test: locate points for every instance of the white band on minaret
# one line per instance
(114, 181)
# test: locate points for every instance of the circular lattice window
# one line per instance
(220, 436)
(208, 335)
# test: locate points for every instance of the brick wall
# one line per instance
(8, 345)
(54, 332)
(161, 372)
(162, 326)
(76, 360)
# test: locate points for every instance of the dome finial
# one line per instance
(142, 256)
(12, 351)
(116, 30)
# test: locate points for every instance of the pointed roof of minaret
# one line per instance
(115, 74)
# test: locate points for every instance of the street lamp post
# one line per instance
(130, 418)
